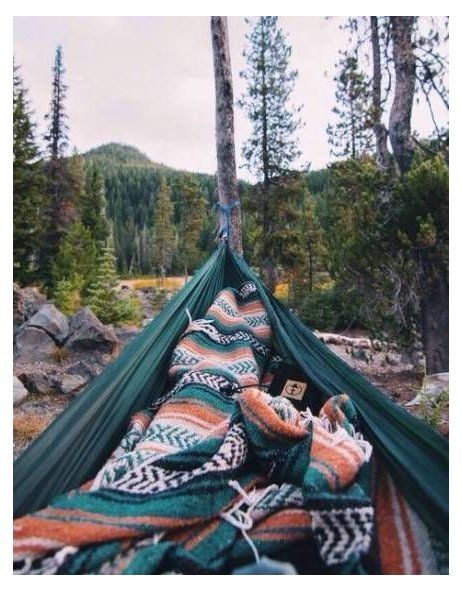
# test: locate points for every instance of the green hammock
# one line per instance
(73, 448)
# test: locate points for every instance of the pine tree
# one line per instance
(92, 206)
(102, 296)
(29, 199)
(272, 149)
(351, 135)
(56, 137)
(283, 244)
(76, 259)
(64, 176)
(311, 265)
(193, 213)
(164, 231)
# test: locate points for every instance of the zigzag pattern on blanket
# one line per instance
(159, 501)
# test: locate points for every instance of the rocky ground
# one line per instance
(56, 357)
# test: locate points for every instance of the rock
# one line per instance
(38, 381)
(33, 301)
(337, 339)
(71, 384)
(83, 370)
(18, 308)
(393, 359)
(435, 384)
(432, 387)
(125, 335)
(147, 321)
(34, 344)
(87, 333)
(52, 321)
(360, 355)
(19, 391)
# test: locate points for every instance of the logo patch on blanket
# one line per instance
(294, 390)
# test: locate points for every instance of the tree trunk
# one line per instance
(435, 324)
(405, 77)
(224, 131)
(380, 131)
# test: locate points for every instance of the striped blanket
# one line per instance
(217, 473)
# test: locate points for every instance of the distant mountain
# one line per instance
(114, 154)
(132, 183)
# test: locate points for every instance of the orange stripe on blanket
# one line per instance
(258, 411)
(390, 556)
(416, 566)
(191, 410)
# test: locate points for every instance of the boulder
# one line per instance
(83, 369)
(52, 321)
(435, 384)
(87, 333)
(38, 381)
(71, 384)
(33, 301)
(432, 387)
(18, 308)
(34, 344)
(19, 391)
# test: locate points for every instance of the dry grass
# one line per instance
(170, 283)
(27, 427)
(59, 354)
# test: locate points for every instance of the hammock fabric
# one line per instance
(411, 467)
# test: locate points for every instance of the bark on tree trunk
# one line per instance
(405, 78)
(435, 325)
(224, 130)
(380, 131)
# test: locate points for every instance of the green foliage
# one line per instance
(433, 411)
(192, 215)
(102, 296)
(67, 295)
(164, 232)
(272, 147)
(387, 237)
(328, 308)
(65, 176)
(76, 259)
(351, 136)
(29, 199)
(132, 184)
(56, 136)
(92, 206)
(422, 212)
(317, 180)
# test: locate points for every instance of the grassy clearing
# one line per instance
(170, 283)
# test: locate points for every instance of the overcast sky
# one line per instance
(148, 82)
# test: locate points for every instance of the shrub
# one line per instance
(328, 308)
(67, 296)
